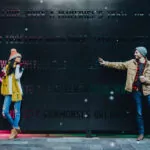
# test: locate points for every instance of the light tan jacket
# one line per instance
(131, 67)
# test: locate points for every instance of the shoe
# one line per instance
(140, 137)
(13, 134)
(18, 130)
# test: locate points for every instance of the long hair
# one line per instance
(10, 68)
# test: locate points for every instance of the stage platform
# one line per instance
(72, 142)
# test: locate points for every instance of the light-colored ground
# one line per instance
(25, 142)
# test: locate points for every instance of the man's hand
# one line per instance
(101, 61)
(142, 79)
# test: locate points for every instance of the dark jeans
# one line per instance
(139, 97)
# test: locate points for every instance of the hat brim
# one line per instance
(16, 55)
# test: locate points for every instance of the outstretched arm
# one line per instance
(116, 65)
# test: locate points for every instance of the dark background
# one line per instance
(65, 89)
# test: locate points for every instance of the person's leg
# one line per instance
(139, 115)
(16, 128)
(5, 109)
(148, 99)
(17, 107)
(5, 113)
(148, 112)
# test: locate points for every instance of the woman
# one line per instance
(12, 91)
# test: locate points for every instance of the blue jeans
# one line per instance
(138, 97)
(5, 112)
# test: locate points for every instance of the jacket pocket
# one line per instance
(131, 71)
(147, 73)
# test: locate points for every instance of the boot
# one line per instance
(13, 134)
(18, 130)
(140, 137)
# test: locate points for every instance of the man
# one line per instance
(137, 82)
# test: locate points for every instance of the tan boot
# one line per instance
(13, 134)
(18, 130)
(140, 137)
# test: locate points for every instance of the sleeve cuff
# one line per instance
(18, 66)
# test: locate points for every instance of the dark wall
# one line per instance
(65, 89)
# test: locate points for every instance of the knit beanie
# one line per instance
(142, 50)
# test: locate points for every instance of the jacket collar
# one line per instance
(147, 62)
